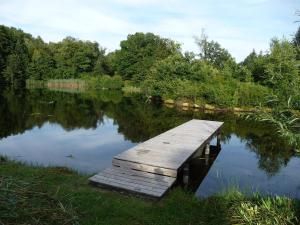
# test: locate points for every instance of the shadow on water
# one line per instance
(92, 127)
(197, 168)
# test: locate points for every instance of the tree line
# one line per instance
(22, 110)
(159, 67)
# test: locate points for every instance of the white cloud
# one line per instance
(108, 22)
(139, 2)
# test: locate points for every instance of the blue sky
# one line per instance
(238, 25)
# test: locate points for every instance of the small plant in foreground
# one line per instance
(264, 211)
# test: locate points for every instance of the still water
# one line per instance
(83, 131)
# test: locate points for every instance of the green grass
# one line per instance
(34, 195)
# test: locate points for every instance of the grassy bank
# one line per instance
(227, 97)
(32, 195)
(85, 83)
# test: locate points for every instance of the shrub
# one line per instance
(104, 82)
(251, 94)
(219, 91)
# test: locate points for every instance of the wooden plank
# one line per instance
(135, 180)
(145, 168)
(187, 138)
(150, 177)
(123, 185)
(151, 158)
(130, 182)
(151, 168)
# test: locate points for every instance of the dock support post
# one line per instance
(186, 172)
(219, 140)
(207, 151)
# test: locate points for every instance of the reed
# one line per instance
(284, 119)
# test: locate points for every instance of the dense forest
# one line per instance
(159, 67)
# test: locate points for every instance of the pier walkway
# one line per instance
(151, 168)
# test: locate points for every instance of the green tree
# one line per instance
(104, 63)
(297, 37)
(13, 56)
(173, 67)
(281, 71)
(41, 64)
(255, 63)
(202, 71)
(139, 52)
(73, 57)
(213, 53)
(5, 49)
(296, 42)
(15, 71)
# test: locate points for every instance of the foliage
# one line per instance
(213, 53)
(251, 94)
(13, 57)
(297, 37)
(158, 66)
(259, 210)
(23, 56)
(281, 71)
(255, 64)
(42, 63)
(104, 82)
(139, 52)
(296, 42)
(178, 77)
(283, 118)
(73, 57)
(137, 120)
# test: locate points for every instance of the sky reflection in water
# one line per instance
(84, 132)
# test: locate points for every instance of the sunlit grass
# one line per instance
(36, 195)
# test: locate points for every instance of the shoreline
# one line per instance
(46, 191)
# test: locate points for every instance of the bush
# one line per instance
(217, 91)
(104, 82)
(251, 94)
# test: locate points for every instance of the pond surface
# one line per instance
(83, 131)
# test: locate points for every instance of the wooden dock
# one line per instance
(151, 168)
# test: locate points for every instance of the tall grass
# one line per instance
(27, 202)
(66, 83)
(283, 118)
(104, 82)
(264, 211)
(35, 83)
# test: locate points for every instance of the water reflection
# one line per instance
(197, 168)
(84, 131)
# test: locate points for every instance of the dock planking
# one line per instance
(151, 168)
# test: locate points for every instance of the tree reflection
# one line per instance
(136, 119)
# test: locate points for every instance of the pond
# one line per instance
(83, 131)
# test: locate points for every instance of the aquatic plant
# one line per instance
(284, 120)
